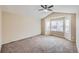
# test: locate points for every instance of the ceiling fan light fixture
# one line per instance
(46, 10)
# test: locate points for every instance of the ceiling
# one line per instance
(32, 10)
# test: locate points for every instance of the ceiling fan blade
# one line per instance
(49, 9)
(41, 9)
(42, 6)
(50, 6)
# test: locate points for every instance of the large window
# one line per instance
(57, 25)
(67, 25)
(47, 28)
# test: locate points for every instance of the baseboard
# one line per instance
(57, 36)
(21, 39)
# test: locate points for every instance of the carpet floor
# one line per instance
(40, 44)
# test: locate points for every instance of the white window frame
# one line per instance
(57, 19)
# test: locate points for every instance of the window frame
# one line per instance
(59, 18)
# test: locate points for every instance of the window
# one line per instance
(47, 26)
(57, 25)
(67, 26)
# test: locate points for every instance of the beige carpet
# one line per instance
(40, 44)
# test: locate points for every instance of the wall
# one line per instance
(73, 28)
(47, 25)
(16, 27)
(77, 30)
(58, 34)
(67, 34)
(42, 26)
(0, 29)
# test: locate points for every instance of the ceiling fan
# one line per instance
(46, 8)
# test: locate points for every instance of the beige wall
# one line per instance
(44, 29)
(16, 27)
(42, 26)
(73, 27)
(0, 29)
(67, 35)
(58, 34)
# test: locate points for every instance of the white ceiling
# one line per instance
(32, 10)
